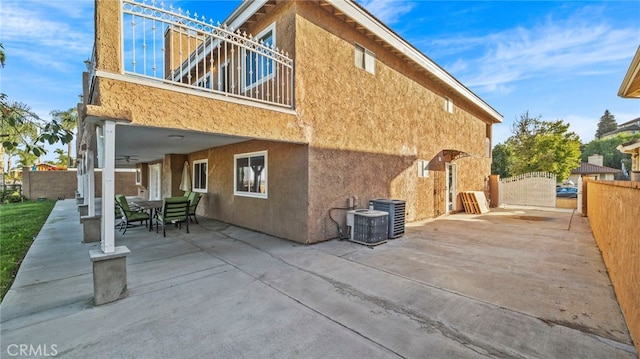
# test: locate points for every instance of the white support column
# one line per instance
(85, 181)
(108, 186)
(91, 184)
(79, 165)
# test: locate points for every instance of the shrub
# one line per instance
(11, 196)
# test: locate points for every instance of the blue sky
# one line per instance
(558, 60)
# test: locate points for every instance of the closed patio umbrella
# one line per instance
(185, 183)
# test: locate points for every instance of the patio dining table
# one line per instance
(149, 206)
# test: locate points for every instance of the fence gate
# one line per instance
(529, 189)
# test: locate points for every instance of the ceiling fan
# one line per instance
(127, 158)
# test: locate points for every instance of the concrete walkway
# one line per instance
(508, 284)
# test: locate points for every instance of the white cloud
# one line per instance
(37, 26)
(548, 49)
(388, 11)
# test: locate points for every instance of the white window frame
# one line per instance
(245, 72)
(224, 77)
(205, 81)
(198, 164)
(487, 146)
(365, 59)
(423, 169)
(155, 182)
(448, 104)
(138, 176)
(265, 173)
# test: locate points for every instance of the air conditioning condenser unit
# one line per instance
(369, 227)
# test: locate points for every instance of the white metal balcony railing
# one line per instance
(175, 47)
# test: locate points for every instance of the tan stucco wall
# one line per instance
(283, 213)
(613, 210)
(107, 22)
(367, 131)
(55, 184)
(156, 107)
(152, 106)
(570, 203)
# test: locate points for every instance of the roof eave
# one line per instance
(629, 147)
(243, 12)
(632, 73)
(353, 10)
(248, 8)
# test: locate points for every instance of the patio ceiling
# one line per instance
(147, 144)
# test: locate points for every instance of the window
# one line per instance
(365, 59)
(423, 169)
(250, 175)
(448, 105)
(258, 67)
(205, 81)
(487, 147)
(155, 182)
(200, 176)
(224, 78)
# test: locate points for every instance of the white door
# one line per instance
(155, 175)
(450, 178)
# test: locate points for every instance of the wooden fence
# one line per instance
(613, 208)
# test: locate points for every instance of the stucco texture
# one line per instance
(352, 134)
(283, 213)
(368, 130)
(55, 184)
(613, 213)
(157, 107)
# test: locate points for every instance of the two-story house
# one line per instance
(286, 111)
(628, 128)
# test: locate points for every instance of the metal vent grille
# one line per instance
(396, 210)
(370, 227)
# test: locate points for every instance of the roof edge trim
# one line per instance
(379, 29)
(632, 73)
(243, 12)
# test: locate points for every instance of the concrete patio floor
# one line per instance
(517, 283)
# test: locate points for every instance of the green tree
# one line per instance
(62, 160)
(545, 146)
(15, 116)
(3, 57)
(26, 158)
(606, 124)
(69, 121)
(607, 147)
(15, 131)
(501, 160)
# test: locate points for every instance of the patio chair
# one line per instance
(174, 210)
(129, 216)
(194, 199)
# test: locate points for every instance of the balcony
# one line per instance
(172, 46)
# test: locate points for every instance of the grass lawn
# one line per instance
(19, 225)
